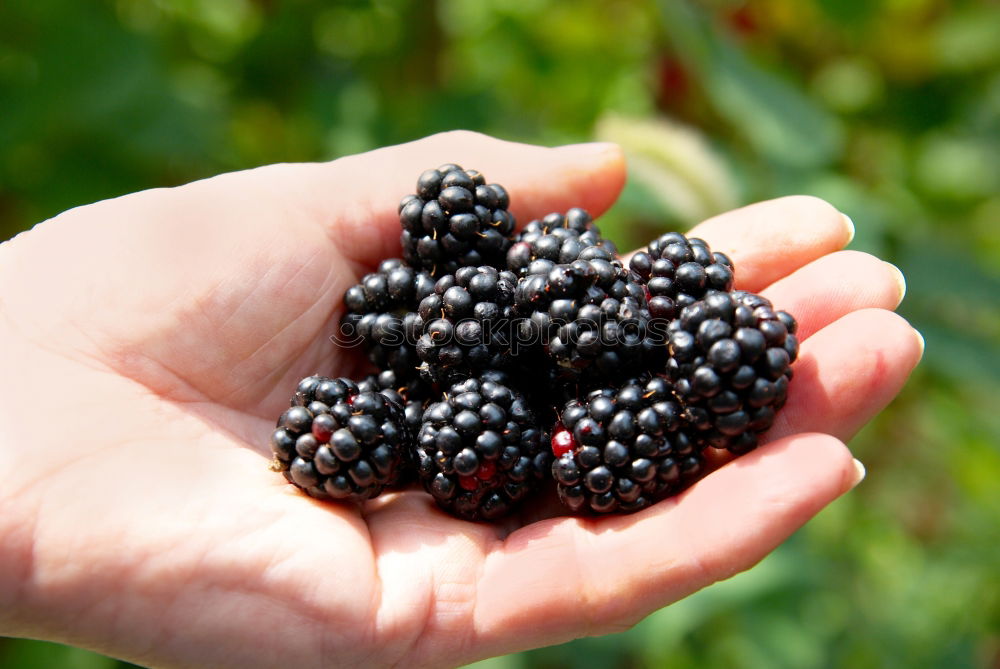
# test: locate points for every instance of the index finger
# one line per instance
(771, 239)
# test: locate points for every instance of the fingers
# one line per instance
(847, 372)
(540, 180)
(575, 576)
(835, 285)
(771, 239)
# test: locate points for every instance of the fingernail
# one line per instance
(850, 227)
(923, 344)
(900, 281)
(859, 473)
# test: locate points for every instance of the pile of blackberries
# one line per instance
(511, 361)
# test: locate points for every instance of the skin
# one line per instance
(150, 341)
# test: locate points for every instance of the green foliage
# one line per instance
(24, 654)
(890, 110)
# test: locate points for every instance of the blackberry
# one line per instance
(730, 360)
(622, 449)
(465, 324)
(413, 396)
(480, 451)
(588, 316)
(558, 239)
(338, 442)
(381, 312)
(455, 219)
(546, 387)
(678, 271)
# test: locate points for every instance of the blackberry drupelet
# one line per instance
(678, 271)
(480, 451)
(465, 324)
(455, 219)
(730, 360)
(338, 442)
(381, 311)
(558, 239)
(589, 317)
(622, 449)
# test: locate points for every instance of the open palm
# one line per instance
(150, 341)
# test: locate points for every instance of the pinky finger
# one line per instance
(577, 577)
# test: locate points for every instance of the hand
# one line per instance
(149, 343)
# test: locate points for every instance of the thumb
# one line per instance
(540, 180)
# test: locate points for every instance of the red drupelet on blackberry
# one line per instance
(730, 360)
(620, 449)
(480, 452)
(454, 220)
(338, 442)
(381, 312)
(558, 239)
(465, 324)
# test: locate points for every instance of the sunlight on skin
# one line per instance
(172, 324)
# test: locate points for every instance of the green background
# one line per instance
(890, 109)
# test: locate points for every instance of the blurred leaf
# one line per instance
(28, 654)
(968, 39)
(850, 12)
(675, 163)
(955, 303)
(957, 168)
(515, 661)
(771, 114)
(849, 85)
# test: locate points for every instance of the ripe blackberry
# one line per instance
(545, 386)
(465, 324)
(730, 360)
(589, 317)
(622, 449)
(381, 311)
(678, 271)
(480, 451)
(455, 219)
(413, 396)
(558, 239)
(338, 442)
